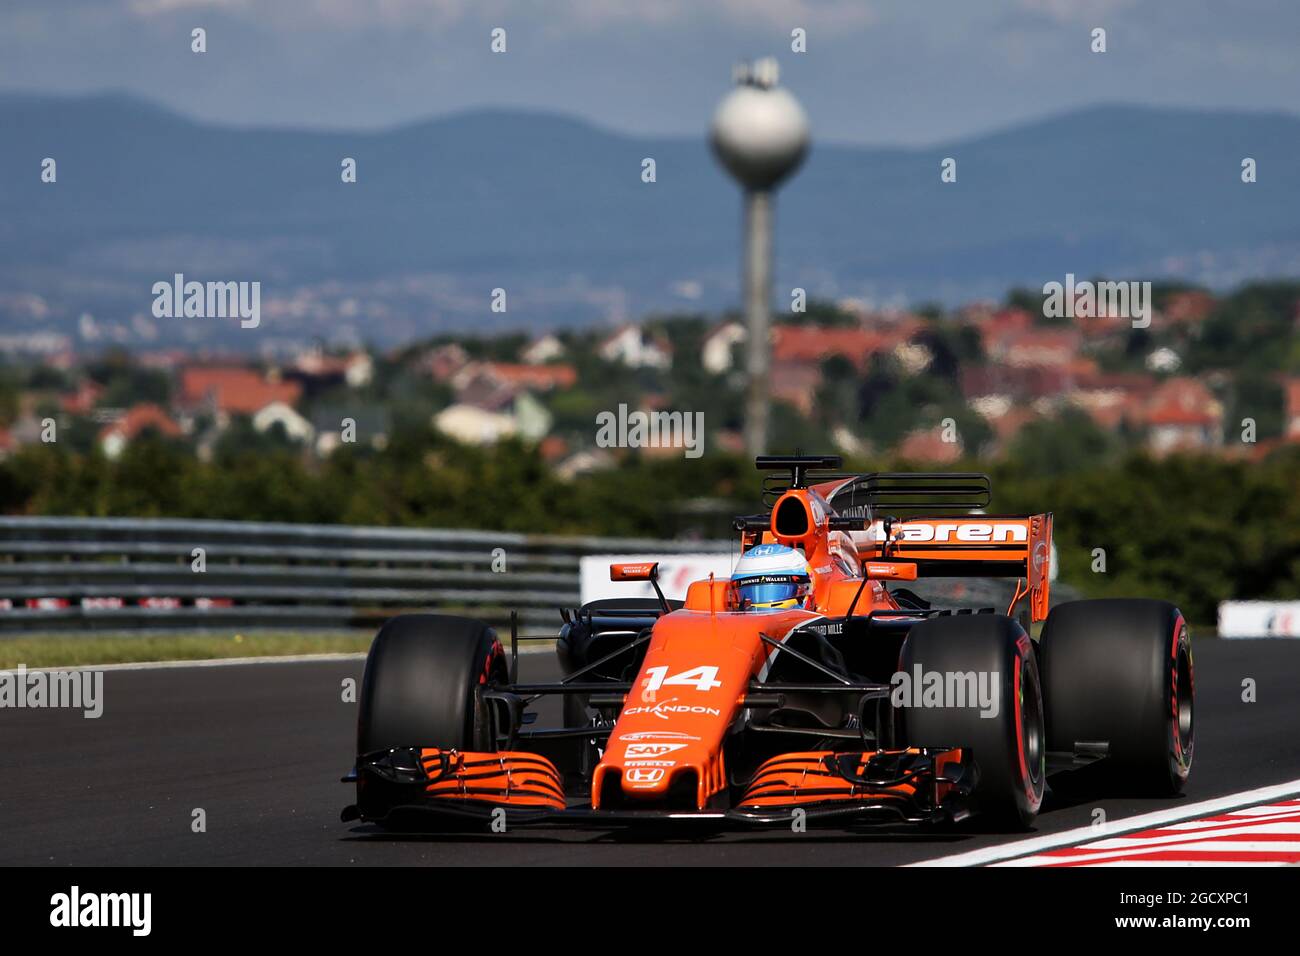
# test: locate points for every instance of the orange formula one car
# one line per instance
(810, 686)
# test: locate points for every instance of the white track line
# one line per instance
(1145, 821)
(531, 647)
(207, 662)
(1182, 839)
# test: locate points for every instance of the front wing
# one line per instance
(519, 788)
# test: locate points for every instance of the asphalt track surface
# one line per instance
(260, 748)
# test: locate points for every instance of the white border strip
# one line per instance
(525, 647)
(1052, 841)
(205, 662)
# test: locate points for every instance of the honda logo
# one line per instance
(643, 775)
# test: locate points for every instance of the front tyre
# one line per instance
(1005, 733)
(419, 686)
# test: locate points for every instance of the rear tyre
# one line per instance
(418, 689)
(1008, 744)
(1118, 672)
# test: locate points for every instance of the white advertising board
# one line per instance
(1259, 618)
(676, 572)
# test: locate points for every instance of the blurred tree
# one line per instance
(1251, 331)
(1069, 442)
(1258, 397)
(1031, 300)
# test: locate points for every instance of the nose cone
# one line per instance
(760, 135)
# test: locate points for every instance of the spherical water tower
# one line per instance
(760, 134)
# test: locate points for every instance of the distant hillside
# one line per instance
(553, 210)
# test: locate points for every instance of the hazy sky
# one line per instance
(876, 71)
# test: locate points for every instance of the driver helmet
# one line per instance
(771, 577)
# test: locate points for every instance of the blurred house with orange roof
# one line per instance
(232, 390)
(1182, 414)
(927, 445)
(1189, 308)
(135, 421)
(1291, 397)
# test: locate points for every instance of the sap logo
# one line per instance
(663, 709)
(973, 532)
(650, 750)
(643, 777)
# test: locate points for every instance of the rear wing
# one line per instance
(939, 533)
(977, 546)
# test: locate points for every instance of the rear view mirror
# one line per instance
(890, 570)
(635, 571)
(641, 571)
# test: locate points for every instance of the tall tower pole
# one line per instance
(758, 317)
(760, 134)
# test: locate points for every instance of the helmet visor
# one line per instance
(771, 590)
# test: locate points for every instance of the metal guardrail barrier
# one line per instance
(66, 574)
(130, 573)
